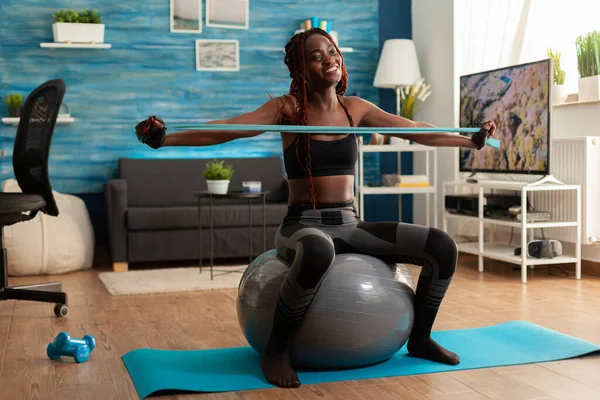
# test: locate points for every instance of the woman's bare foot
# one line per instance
(430, 350)
(277, 368)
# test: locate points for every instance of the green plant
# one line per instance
(588, 54)
(66, 16)
(72, 16)
(14, 100)
(90, 17)
(216, 170)
(412, 97)
(559, 74)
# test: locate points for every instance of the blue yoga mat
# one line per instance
(233, 369)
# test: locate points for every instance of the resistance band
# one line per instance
(326, 130)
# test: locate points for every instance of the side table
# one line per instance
(232, 194)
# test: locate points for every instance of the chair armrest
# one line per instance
(115, 202)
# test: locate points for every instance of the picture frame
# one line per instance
(229, 14)
(185, 16)
(217, 55)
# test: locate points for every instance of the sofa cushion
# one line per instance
(170, 182)
(186, 217)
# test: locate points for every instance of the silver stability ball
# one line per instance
(362, 314)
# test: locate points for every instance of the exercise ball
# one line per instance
(362, 313)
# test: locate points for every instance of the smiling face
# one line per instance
(323, 63)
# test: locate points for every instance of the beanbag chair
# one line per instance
(47, 245)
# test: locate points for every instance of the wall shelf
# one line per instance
(430, 191)
(76, 45)
(59, 121)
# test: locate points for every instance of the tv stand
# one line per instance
(545, 180)
(492, 249)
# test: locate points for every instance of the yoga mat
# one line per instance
(234, 369)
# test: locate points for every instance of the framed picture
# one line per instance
(217, 55)
(232, 14)
(186, 16)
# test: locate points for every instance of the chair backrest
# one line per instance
(33, 139)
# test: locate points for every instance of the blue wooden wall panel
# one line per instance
(150, 70)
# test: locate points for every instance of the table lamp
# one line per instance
(398, 67)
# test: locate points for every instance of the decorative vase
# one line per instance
(70, 32)
(217, 186)
(589, 88)
(559, 94)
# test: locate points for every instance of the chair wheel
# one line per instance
(60, 310)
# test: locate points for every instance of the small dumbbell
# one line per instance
(64, 345)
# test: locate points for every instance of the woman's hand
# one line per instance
(151, 131)
(487, 131)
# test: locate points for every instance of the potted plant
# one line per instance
(71, 26)
(559, 90)
(14, 100)
(217, 176)
(411, 99)
(588, 66)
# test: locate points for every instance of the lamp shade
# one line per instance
(398, 64)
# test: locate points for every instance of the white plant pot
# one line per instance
(217, 186)
(589, 88)
(559, 94)
(77, 33)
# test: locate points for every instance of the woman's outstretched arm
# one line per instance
(268, 114)
(373, 116)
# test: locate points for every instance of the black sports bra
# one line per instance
(328, 157)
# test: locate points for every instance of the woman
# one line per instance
(321, 219)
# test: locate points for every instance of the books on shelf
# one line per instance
(395, 180)
(413, 179)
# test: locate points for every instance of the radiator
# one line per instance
(573, 161)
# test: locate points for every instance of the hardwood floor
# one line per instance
(208, 320)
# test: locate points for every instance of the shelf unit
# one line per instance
(428, 191)
(505, 252)
(53, 45)
(14, 121)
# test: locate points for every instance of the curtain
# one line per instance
(497, 33)
(556, 24)
(490, 33)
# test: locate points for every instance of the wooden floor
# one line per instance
(208, 320)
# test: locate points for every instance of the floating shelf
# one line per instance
(59, 121)
(76, 45)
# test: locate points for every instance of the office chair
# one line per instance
(30, 165)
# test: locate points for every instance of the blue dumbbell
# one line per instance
(63, 345)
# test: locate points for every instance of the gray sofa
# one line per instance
(152, 215)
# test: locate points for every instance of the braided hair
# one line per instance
(295, 59)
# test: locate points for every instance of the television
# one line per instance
(518, 99)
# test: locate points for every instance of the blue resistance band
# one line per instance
(326, 130)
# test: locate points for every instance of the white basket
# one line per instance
(77, 33)
(589, 88)
(217, 186)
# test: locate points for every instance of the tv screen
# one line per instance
(518, 99)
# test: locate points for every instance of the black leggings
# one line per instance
(309, 241)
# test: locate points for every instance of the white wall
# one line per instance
(436, 28)
(433, 34)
